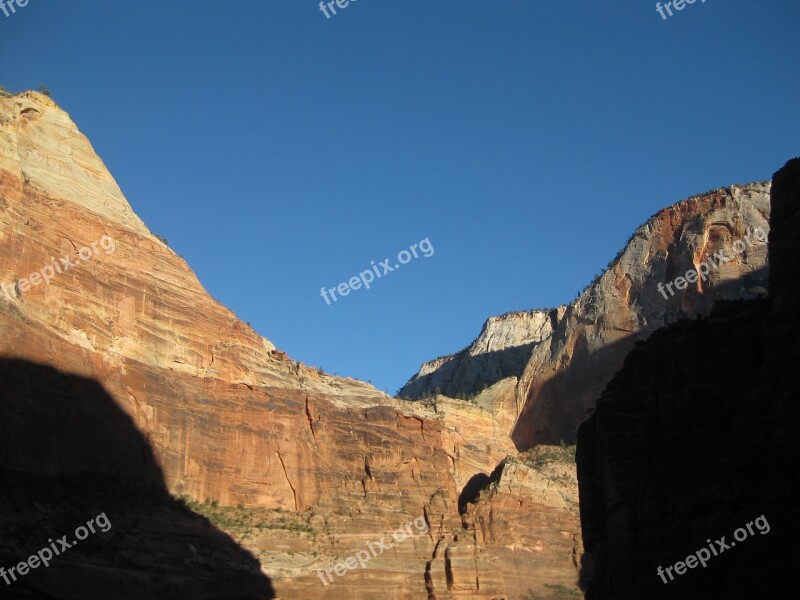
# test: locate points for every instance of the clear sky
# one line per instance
(279, 151)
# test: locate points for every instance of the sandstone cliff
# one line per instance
(544, 369)
(527, 515)
(489, 368)
(303, 469)
(696, 437)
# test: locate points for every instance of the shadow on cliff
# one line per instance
(476, 484)
(68, 453)
(682, 449)
(486, 368)
(698, 438)
(564, 401)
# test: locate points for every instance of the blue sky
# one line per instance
(279, 151)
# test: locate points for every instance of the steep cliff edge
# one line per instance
(571, 357)
(529, 510)
(303, 469)
(698, 437)
(489, 367)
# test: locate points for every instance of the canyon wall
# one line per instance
(302, 469)
(548, 367)
(697, 438)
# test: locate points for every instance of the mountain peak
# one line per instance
(41, 144)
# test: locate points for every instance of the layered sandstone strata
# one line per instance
(546, 368)
(319, 465)
(698, 436)
(529, 515)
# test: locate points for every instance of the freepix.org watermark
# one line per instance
(6, 5)
(45, 555)
(362, 557)
(704, 268)
(365, 278)
(341, 4)
(716, 548)
(57, 267)
(676, 4)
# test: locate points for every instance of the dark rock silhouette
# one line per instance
(697, 436)
(68, 454)
(545, 368)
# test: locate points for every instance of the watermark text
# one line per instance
(365, 278)
(45, 555)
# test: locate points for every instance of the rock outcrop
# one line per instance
(489, 368)
(69, 455)
(301, 468)
(571, 353)
(697, 438)
(528, 515)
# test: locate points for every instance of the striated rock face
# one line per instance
(529, 517)
(319, 466)
(41, 146)
(698, 436)
(495, 361)
(69, 455)
(578, 348)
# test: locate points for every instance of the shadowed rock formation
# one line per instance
(69, 454)
(545, 368)
(301, 468)
(698, 436)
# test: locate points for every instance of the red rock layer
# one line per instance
(546, 368)
(332, 463)
(697, 437)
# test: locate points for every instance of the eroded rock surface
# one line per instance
(529, 516)
(571, 353)
(319, 466)
(698, 437)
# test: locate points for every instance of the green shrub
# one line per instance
(540, 455)
(245, 521)
(555, 592)
(563, 592)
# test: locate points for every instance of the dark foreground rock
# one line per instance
(699, 436)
